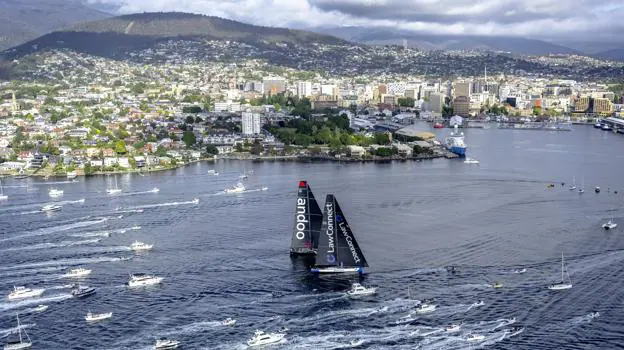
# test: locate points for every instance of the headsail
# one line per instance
(308, 217)
(337, 245)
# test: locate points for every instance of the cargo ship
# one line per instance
(455, 142)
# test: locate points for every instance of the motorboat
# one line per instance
(21, 343)
(523, 270)
(356, 342)
(609, 225)
(91, 317)
(606, 127)
(137, 246)
(497, 285)
(452, 328)
(141, 279)
(358, 290)
(71, 175)
(235, 189)
(21, 292)
(51, 208)
(136, 227)
(79, 272)
(475, 337)
(566, 283)
(55, 193)
(165, 344)
(82, 292)
(264, 188)
(195, 201)
(260, 338)
(228, 322)
(478, 303)
(424, 308)
(471, 161)
(41, 308)
(155, 190)
(212, 172)
(597, 189)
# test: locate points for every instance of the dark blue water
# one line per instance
(226, 256)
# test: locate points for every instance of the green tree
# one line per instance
(257, 148)
(88, 169)
(212, 149)
(198, 120)
(189, 138)
(190, 120)
(239, 147)
(161, 151)
(406, 101)
(191, 109)
(382, 139)
(120, 147)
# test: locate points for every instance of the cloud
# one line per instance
(544, 19)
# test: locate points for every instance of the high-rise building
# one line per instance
(461, 106)
(251, 123)
(273, 85)
(304, 89)
(463, 88)
(436, 102)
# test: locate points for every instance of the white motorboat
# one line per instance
(136, 246)
(141, 279)
(356, 342)
(265, 188)
(55, 193)
(155, 190)
(228, 322)
(71, 175)
(471, 161)
(41, 308)
(358, 290)
(195, 201)
(566, 283)
(51, 208)
(424, 308)
(235, 189)
(79, 272)
(3, 197)
(523, 270)
(260, 338)
(21, 343)
(478, 303)
(166, 344)
(452, 328)
(475, 337)
(21, 292)
(213, 173)
(91, 317)
(609, 225)
(136, 227)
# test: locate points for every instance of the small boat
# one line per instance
(41, 308)
(79, 272)
(71, 175)
(55, 193)
(3, 197)
(565, 283)
(136, 227)
(141, 279)
(243, 177)
(260, 338)
(51, 208)
(471, 161)
(136, 246)
(497, 285)
(523, 270)
(91, 317)
(514, 330)
(606, 127)
(425, 308)
(358, 290)
(598, 126)
(235, 189)
(478, 303)
(155, 190)
(212, 172)
(21, 343)
(264, 188)
(597, 189)
(452, 328)
(609, 225)
(549, 186)
(228, 322)
(573, 186)
(475, 337)
(437, 126)
(356, 342)
(195, 201)
(82, 292)
(21, 292)
(165, 344)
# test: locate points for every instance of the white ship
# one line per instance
(235, 189)
(141, 279)
(79, 272)
(20, 292)
(137, 246)
(455, 142)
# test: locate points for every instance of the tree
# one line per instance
(257, 148)
(198, 120)
(88, 169)
(383, 152)
(190, 120)
(120, 147)
(239, 147)
(161, 151)
(191, 109)
(189, 138)
(212, 149)
(382, 139)
(406, 101)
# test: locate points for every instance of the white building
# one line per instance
(396, 89)
(304, 89)
(251, 123)
(436, 101)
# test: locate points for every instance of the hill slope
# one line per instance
(23, 20)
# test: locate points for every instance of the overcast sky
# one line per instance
(545, 19)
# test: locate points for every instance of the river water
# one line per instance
(228, 255)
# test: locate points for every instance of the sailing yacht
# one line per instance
(338, 251)
(114, 190)
(582, 188)
(3, 197)
(21, 343)
(565, 283)
(308, 220)
(573, 187)
(609, 225)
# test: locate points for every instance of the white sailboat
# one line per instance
(3, 197)
(609, 224)
(565, 283)
(22, 343)
(114, 190)
(582, 188)
(573, 187)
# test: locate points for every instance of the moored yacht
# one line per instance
(358, 290)
(141, 279)
(235, 189)
(166, 344)
(338, 250)
(91, 317)
(79, 272)
(137, 246)
(55, 193)
(51, 208)
(260, 338)
(21, 292)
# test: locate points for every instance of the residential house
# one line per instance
(123, 162)
(110, 161)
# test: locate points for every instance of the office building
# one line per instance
(251, 123)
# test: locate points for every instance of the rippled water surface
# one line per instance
(228, 255)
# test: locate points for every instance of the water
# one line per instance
(226, 255)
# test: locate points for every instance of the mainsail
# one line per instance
(337, 246)
(308, 217)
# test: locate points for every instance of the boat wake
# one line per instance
(52, 245)
(91, 234)
(65, 262)
(8, 331)
(127, 194)
(8, 306)
(54, 229)
(160, 205)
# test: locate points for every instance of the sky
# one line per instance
(601, 20)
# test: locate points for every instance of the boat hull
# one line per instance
(460, 151)
(332, 270)
(563, 286)
(302, 252)
(18, 346)
(32, 294)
